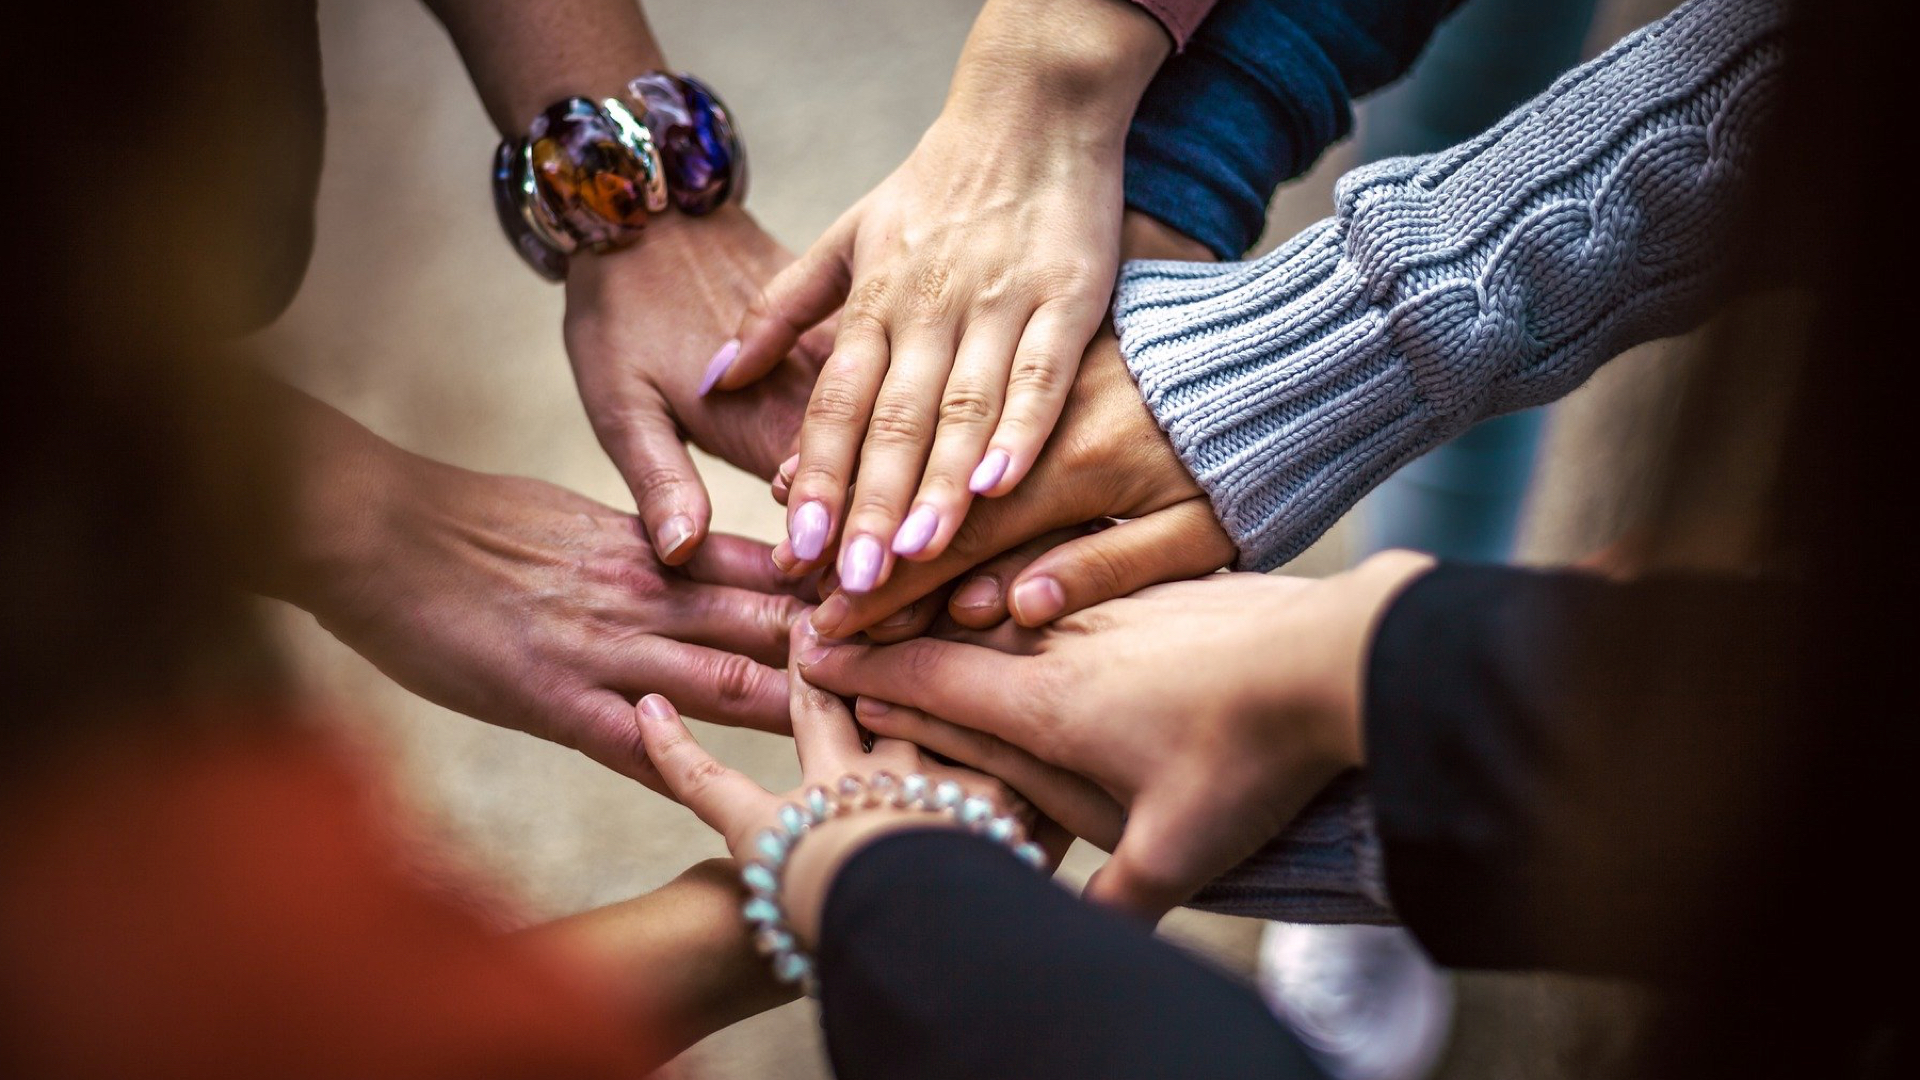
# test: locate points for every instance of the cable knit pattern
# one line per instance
(1451, 287)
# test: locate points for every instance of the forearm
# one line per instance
(921, 938)
(1446, 289)
(1263, 88)
(678, 961)
(1561, 764)
(525, 55)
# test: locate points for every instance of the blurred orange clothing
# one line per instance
(177, 904)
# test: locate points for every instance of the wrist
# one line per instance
(351, 480)
(1076, 67)
(1366, 592)
(829, 846)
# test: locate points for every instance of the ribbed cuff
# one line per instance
(1448, 288)
(1324, 868)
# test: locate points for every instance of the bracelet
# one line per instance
(588, 175)
(772, 933)
(705, 159)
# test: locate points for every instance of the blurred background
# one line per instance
(418, 320)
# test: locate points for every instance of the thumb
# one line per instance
(1180, 834)
(1179, 542)
(667, 492)
(807, 291)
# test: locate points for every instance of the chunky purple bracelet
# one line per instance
(589, 175)
(706, 161)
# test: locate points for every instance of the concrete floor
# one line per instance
(418, 320)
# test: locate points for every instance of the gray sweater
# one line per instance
(1446, 289)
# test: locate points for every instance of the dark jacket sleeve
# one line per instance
(1563, 767)
(942, 955)
(1262, 88)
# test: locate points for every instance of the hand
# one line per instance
(529, 606)
(638, 325)
(1213, 710)
(1108, 459)
(973, 278)
(828, 743)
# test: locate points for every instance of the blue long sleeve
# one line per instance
(1261, 90)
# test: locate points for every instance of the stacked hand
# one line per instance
(529, 606)
(972, 279)
(1212, 711)
(637, 325)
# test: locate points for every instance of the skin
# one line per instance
(677, 962)
(640, 321)
(829, 747)
(524, 604)
(1211, 711)
(1107, 459)
(972, 278)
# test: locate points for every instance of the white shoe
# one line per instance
(1365, 1000)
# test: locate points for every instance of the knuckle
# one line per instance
(896, 422)
(736, 679)
(703, 774)
(1102, 571)
(835, 404)
(932, 285)
(649, 478)
(1037, 374)
(966, 406)
(866, 303)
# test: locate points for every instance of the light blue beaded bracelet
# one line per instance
(774, 847)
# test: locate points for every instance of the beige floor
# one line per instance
(418, 320)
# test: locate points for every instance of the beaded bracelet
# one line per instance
(772, 933)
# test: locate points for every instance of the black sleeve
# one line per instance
(942, 955)
(1561, 763)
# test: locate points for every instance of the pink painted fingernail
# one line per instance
(860, 565)
(988, 473)
(916, 531)
(983, 591)
(657, 707)
(718, 366)
(1036, 600)
(808, 531)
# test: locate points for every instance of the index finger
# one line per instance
(725, 799)
(991, 528)
(973, 686)
(824, 734)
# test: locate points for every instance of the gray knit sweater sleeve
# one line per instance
(1451, 287)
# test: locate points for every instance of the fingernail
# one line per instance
(899, 618)
(1036, 600)
(675, 534)
(860, 566)
(718, 366)
(656, 707)
(982, 591)
(916, 531)
(787, 468)
(830, 614)
(988, 473)
(867, 706)
(809, 531)
(812, 654)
